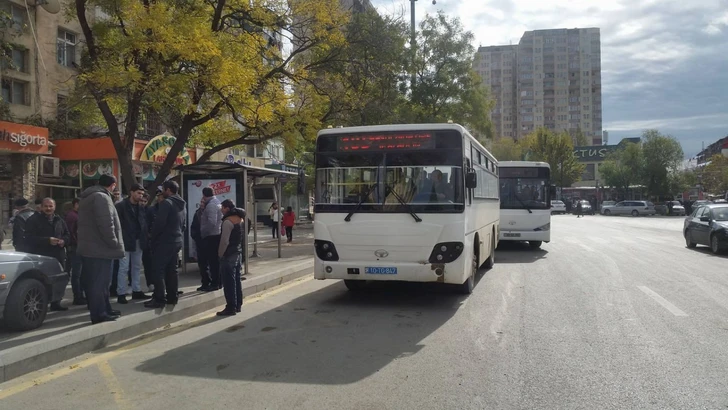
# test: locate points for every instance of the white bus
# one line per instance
(404, 202)
(525, 202)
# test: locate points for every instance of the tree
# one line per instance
(623, 168)
(506, 149)
(447, 87)
(204, 67)
(578, 138)
(682, 180)
(662, 155)
(558, 151)
(715, 175)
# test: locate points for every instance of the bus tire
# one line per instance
(490, 262)
(355, 285)
(534, 244)
(467, 287)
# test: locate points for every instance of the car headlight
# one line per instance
(446, 252)
(544, 227)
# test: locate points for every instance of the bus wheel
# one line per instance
(355, 285)
(534, 244)
(469, 284)
(491, 258)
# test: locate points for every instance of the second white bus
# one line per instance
(525, 202)
(404, 202)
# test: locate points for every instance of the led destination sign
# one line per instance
(385, 142)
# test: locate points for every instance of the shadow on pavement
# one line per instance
(518, 252)
(707, 252)
(330, 336)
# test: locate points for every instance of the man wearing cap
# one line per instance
(134, 231)
(19, 221)
(100, 242)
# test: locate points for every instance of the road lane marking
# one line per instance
(112, 383)
(18, 386)
(588, 249)
(659, 299)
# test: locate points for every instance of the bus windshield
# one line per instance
(524, 188)
(427, 178)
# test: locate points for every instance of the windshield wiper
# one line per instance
(363, 198)
(388, 189)
(523, 203)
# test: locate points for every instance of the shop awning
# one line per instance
(214, 167)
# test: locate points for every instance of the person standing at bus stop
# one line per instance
(230, 253)
(210, 226)
(289, 219)
(579, 208)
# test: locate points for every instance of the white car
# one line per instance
(558, 207)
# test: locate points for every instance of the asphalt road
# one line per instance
(615, 312)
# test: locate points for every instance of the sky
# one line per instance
(664, 62)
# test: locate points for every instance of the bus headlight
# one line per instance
(446, 252)
(544, 227)
(325, 250)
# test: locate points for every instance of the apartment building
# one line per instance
(551, 78)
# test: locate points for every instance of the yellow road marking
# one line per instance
(142, 340)
(114, 386)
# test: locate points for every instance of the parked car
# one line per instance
(677, 209)
(634, 208)
(27, 284)
(558, 207)
(606, 204)
(707, 225)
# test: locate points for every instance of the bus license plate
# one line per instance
(511, 235)
(380, 271)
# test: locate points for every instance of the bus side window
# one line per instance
(470, 191)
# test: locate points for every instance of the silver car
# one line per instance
(27, 284)
(634, 208)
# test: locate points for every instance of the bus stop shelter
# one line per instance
(233, 181)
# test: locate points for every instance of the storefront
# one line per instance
(22, 148)
(83, 161)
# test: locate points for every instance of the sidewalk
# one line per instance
(65, 335)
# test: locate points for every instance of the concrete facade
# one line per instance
(551, 79)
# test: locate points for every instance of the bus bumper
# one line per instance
(543, 236)
(453, 272)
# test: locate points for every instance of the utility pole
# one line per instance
(413, 37)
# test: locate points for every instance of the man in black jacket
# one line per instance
(19, 222)
(202, 259)
(47, 234)
(134, 231)
(166, 240)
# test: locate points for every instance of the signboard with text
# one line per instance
(23, 138)
(158, 147)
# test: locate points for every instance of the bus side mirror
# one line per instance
(471, 180)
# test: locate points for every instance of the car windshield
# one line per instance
(720, 214)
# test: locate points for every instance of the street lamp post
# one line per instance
(413, 39)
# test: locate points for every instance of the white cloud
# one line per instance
(717, 25)
(719, 120)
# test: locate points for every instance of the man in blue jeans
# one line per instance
(230, 253)
(134, 231)
(99, 243)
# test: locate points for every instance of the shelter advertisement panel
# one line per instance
(222, 188)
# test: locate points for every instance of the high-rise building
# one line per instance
(551, 79)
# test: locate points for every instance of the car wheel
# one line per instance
(607, 212)
(689, 240)
(27, 305)
(355, 285)
(715, 244)
(635, 213)
(534, 244)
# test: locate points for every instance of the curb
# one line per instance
(26, 358)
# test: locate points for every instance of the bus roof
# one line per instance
(534, 164)
(394, 127)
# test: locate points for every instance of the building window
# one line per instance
(16, 13)
(14, 91)
(586, 116)
(588, 174)
(66, 45)
(16, 60)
